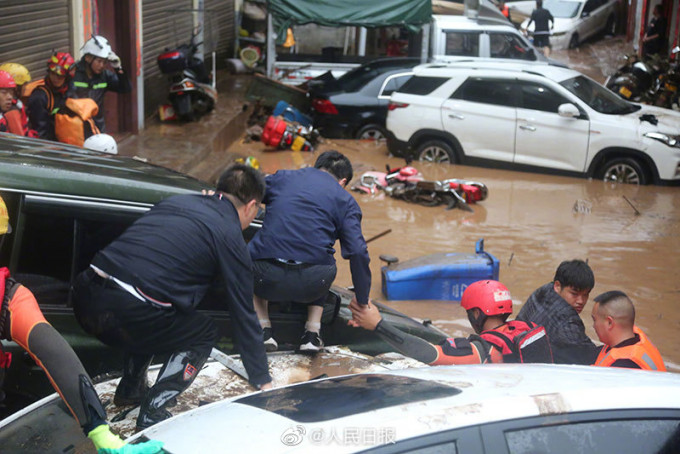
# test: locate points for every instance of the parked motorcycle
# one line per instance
(191, 92)
(406, 183)
(654, 80)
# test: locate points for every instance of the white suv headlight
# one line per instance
(671, 141)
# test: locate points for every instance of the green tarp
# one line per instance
(339, 13)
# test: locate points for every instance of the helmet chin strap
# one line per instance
(476, 322)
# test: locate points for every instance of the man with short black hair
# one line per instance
(141, 291)
(307, 211)
(557, 305)
(544, 22)
(625, 344)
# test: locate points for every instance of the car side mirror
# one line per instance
(585, 14)
(568, 110)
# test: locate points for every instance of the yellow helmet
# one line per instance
(4, 219)
(18, 72)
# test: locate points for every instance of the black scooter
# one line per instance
(191, 92)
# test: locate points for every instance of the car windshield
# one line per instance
(598, 97)
(562, 8)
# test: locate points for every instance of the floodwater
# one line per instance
(531, 223)
(630, 235)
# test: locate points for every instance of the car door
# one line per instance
(621, 431)
(544, 138)
(481, 114)
(590, 19)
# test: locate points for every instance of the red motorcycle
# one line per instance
(406, 183)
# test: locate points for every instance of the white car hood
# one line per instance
(669, 120)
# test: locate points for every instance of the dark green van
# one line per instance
(66, 203)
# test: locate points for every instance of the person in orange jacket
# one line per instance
(625, 344)
(22, 321)
(488, 305)
(13, 118)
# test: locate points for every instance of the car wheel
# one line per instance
(573, 42)
(372, 132)
(624, 170)
(610, 29)
(436, 151)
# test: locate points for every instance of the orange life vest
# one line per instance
(506, 11)
(644, 354)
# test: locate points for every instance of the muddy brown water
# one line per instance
(530, 222)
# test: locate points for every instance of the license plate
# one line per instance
(625, 92)
(671, 87)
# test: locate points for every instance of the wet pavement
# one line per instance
(530, 222)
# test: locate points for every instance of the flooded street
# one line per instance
(531, 223)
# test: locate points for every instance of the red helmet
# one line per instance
(62, 64)
(491, 297)
(6, 80)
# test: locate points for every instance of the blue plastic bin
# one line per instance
(290, 113)
(442, 276)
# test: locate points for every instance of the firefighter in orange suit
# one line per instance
(22, 321)
(625, 344)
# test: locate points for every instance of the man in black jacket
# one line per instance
(557, 305)
(141, 291)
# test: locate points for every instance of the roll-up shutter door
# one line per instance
(166, 24)
(31, 30)
(221, 14)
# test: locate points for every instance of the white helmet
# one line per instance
(101, 142)
(97, 46)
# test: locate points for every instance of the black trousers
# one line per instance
(300, 283)
(120, 320)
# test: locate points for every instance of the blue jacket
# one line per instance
(307, 212)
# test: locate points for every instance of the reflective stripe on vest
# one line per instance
(644, 354)
(86, 85)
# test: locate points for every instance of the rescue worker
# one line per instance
(625, 344)
(488, 305)
(308, 210)
(92, 78)
(13, 117)
(141, 291)
(557, 305)
(49, 95)
(22, 321)
(504, 9)
(21, 77)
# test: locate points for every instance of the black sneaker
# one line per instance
(311, 342)
(270, 343)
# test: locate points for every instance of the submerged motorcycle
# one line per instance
(406, 183)
(192, 93)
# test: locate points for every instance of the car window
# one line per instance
(465, 44)
(539, 97)
(508, 45)
(57, 241)
(639, 435)
(591, 5)
(486, 91)
(562, 8)
(393, 84)
(422, 85)
(598, 97)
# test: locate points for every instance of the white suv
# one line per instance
(531, 117)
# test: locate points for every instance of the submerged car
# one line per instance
(66, 203)
(575, 20)
(532, 117)
(354, 106)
